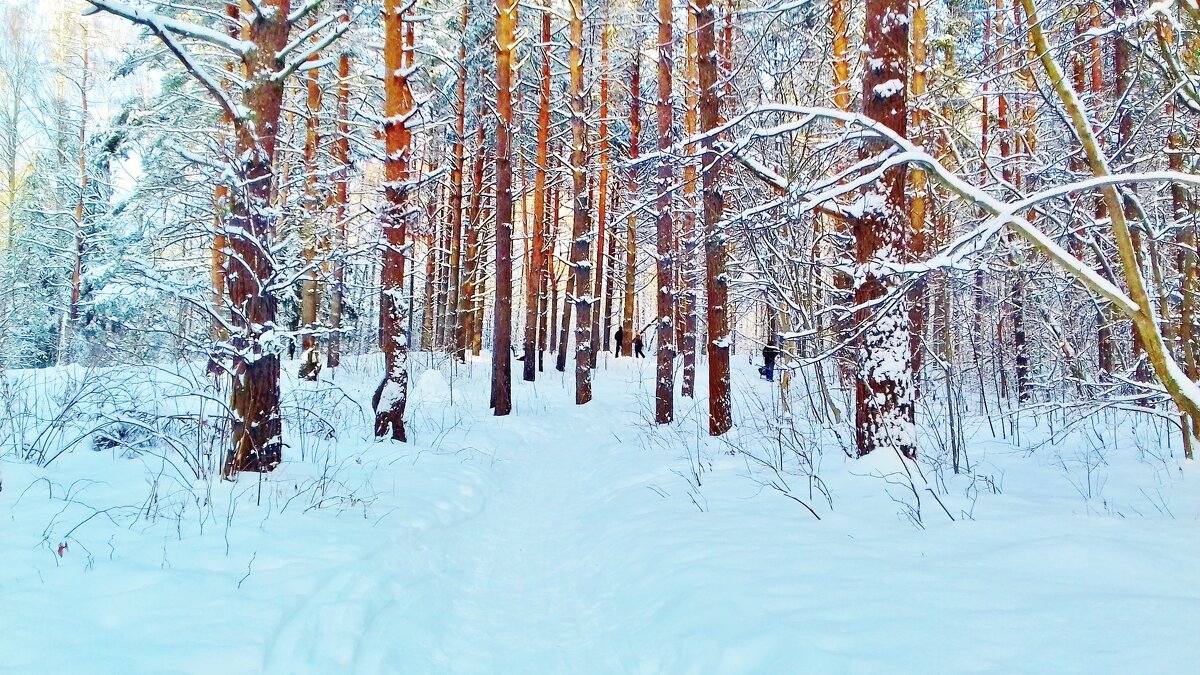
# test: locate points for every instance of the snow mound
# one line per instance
(432, 387)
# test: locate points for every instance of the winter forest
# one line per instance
(599, 336)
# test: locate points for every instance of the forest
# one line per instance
(599, 335)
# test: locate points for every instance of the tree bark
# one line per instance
(720, 404)
(635, 130)
(341, 157)
(391, 396)
(456, 193)
(310, 298)
(535, 275)
(79, 242)
(688, 261)
(466, 298)
(502, 314)
(581, 213)
(664, 388)
(602, 234)
(918, 248)
(883, 382)
(257, 443)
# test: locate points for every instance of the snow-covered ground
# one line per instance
(567, 539)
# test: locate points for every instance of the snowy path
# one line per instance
(520, 582)
(518, 578)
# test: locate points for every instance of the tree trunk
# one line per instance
(688, 262)
(918, 248)
(456, 193)
(720, 405)
(466, 298)
(257, 442)
(341, 157)
(1123, 72)
(581, 214)
(391, 396)
(610, 275)
(839, 22)
(602, 198)
(1025, 144)
(78, 245)
(217, 269)
(883, 383)
(310, 298)
(535, 275)
(664, 389)
(502, 314)
(635, 129)
(430, 234)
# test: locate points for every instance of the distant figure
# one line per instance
(769, 355)
(620, 340)
(637, 346)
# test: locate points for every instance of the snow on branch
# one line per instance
(167, 31)
(164, 24)
(300, 58)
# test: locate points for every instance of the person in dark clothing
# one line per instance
(620, 340)
(637, 346)
(769, 355)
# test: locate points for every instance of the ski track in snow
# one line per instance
(514, 584)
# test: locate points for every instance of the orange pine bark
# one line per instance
(391, 396)
(257, 443)
(536, 273)
(506, 21)
(456, 193)
(602, 188)
(664, 390)
(689, 238)
(635, 130)
(341, 197)
(883, 396)
(720, 404)
(310, 299)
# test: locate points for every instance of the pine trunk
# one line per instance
(470, 273)
(635, 130)
(535, 274)
(918, 248)
(716, 281)
(883, 383)
(310, 298)
(502, 315)
(392, 394)
(602, 234)
(581, 214)
(257, 436)
(341, 156)
(664, 389)
(688, 261)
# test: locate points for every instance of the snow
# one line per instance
(889, 88)
(432, 387)
(576, 539)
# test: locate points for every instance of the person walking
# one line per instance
(770, 353)
(637, 346)
(620, 341)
